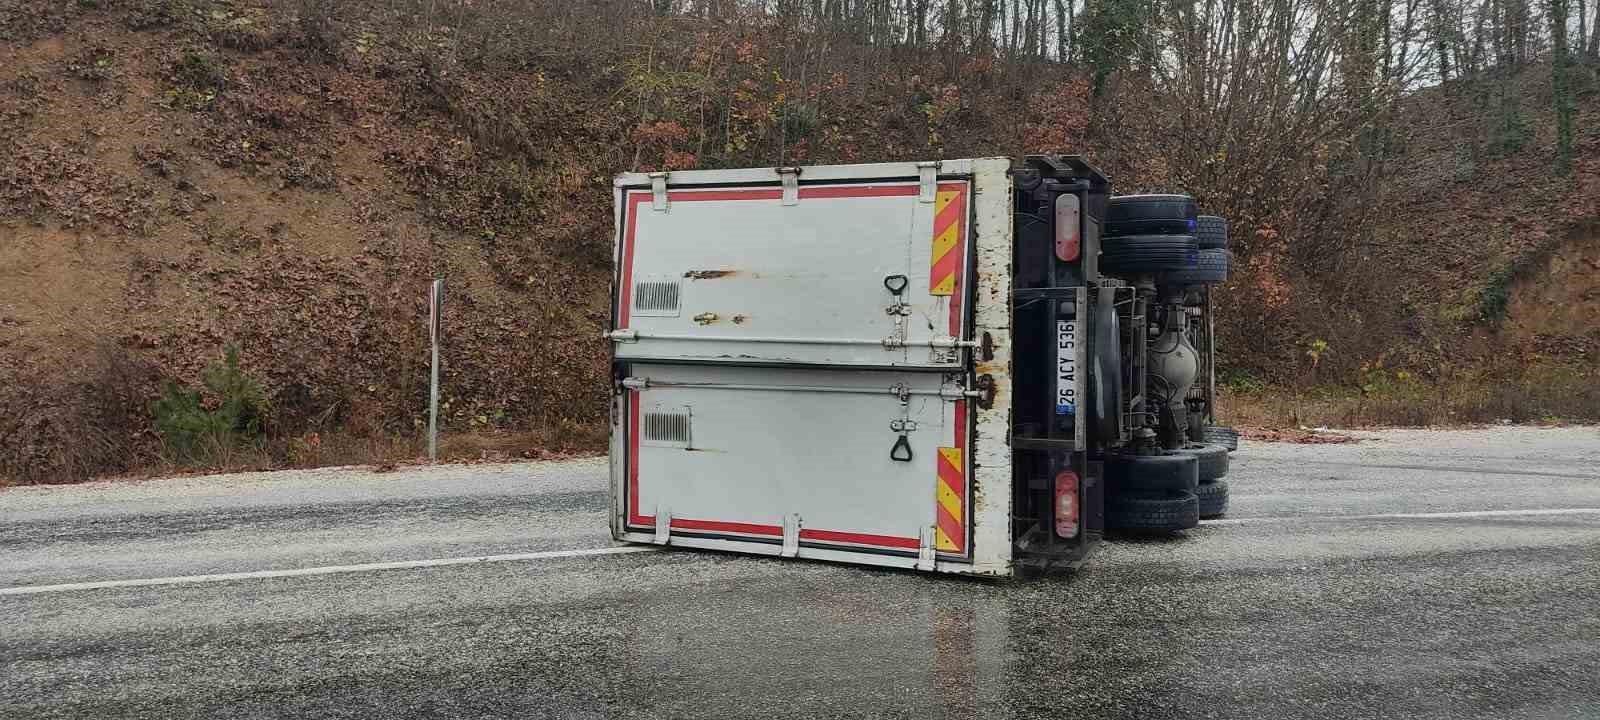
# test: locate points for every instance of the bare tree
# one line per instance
(1583, 24)
(1561, 82)
(1594, 37)
(1062, 28)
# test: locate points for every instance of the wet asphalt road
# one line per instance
(1310, 601)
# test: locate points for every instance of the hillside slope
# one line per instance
(285, 176)
(168, 190)
(1473, 289)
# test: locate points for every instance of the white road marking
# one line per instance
(1410, 516)
(627, 549)
(326, 570)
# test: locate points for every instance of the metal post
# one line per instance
(1211, 361)
(435, 308)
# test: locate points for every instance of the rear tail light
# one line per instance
(1067, 504)
(1068, 242)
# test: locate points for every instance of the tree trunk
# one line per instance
(1594, 36)
(1480, 52)
(1071, 28)
(1013, 43)
(1560, 82)
(922, 23)
(1041, 13)
(950, 35)
(983, 36)
(1440, 29)
(1583, 24)
(1524, 30)
(1061, 31)
(1395, 71)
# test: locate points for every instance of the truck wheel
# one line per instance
(1148, 254)
(1213, 499)
(1210, 267)
(1150, 215)
(1211, 461)
(1212, 232)
(1125, 474)
(1153, 513)
(1224, 436)
(1106, 387)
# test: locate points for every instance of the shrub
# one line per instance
(317, 29)
(155, 14)
(1496, 295)
(197, 78)
(72, 423)
(206, 428)
(246, 33)
(1239, 380)
(200, 71)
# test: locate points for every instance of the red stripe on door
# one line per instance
(860, 538)
(624, 312)
(720, 526)
(625, 303)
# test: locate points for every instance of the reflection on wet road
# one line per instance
(1317, 602)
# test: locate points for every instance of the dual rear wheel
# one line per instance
(1162, 236)
(1167, 492)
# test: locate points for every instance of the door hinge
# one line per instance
(927, 180)
(926, 549)
(791, 535)
(663, 526)
(900, 451)
(947, 341)
(987, 390)
(658, 191)
(947, 391)
(791, 184)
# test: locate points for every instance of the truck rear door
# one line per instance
(794, 360)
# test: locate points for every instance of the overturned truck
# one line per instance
(966, 366)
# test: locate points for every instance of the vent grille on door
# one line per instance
(656, 297)
(671, 428)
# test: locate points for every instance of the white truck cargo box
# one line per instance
(815, 362)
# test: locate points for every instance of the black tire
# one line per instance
(1150, 215)
(1213, 499)
(1148, 254)
(1153, 513)
(1210, 267)
(1211, 461)
(1224, 436)
(1130, 474)
(1212, 232)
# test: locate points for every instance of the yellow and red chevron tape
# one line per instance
(949, 220)
(950, 528)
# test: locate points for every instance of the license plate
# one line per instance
(1066, 367)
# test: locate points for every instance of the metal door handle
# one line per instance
(901, 452)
